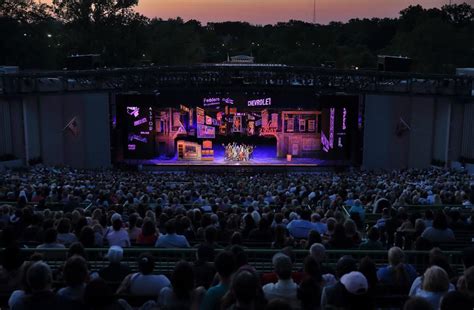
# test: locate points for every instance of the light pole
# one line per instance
(314, 11)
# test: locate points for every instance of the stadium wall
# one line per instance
(467, 148)
(34, 127)
(11, 128)
(441, 130)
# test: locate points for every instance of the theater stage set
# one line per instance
(232, 131)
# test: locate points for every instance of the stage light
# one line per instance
(49, 35)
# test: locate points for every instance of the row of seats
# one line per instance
(259, 258)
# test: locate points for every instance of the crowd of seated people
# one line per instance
(231, 282)
(230, 213)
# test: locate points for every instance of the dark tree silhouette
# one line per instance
(38, 36)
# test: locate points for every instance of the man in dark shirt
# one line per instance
(204, 270)
(262, 233)
(318, 251)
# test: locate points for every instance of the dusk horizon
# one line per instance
(262, 12)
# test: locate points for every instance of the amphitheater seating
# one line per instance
(371, 218)
(259, 258)
(384, 297)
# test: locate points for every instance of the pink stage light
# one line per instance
(332, 112)
(140, 121)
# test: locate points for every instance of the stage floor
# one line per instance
(222, 162)
(264, 156)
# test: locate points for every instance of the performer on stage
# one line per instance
(238, 152)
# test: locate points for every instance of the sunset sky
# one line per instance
(272, 11)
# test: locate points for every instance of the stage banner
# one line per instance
(237, 124)
(219, 118)
(139, 131)
(265, 118)
(200, 116)
(208, 120)
(206, 132)
(251, 128)
(191, 118)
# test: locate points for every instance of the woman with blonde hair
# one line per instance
(397, 274)
(435, 285)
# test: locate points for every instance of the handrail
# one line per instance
(252, 250)
(261, 259)
(407, 207)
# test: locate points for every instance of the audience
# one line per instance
(397, 274)
(65, 236)
(115, 271)
(318, 252)
(245, 292)
(180, 294)
(227, 215)
(41, 297)
(144, 282)
(10, 272)
(351, 293)
(117, 235)
(225, 267)
(456, 300)
(75, 275)
(99, 296)
(23, 288)
(171, 239)
(285, 288)
(373, 240)
(417, 303)
(434, 286)
(51, 240)
(203, 267)
(331, 294)
(439, 232)
(148, 233)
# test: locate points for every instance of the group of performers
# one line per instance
(238, 152)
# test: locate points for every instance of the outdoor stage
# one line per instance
(258, 163)
(234, 132)
(264, 158)
(252, 167)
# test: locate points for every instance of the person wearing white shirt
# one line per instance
(117, 235)
(285, 289)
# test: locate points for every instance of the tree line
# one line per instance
(40, 36)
